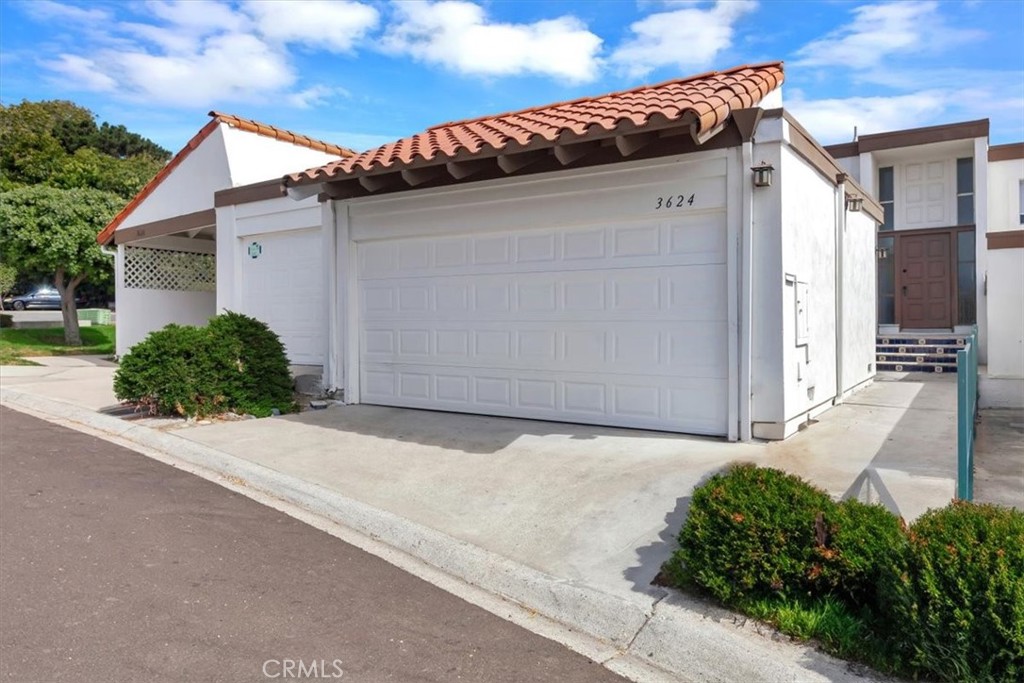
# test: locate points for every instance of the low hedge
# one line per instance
(751, 533)
(957, 606)
(235, 363)
(943, 599)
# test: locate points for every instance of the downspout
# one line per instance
(746, 290)
(840, 229)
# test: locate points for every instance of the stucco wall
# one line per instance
(809, 256)
(766, 386)
(1004, 194)
(1005, 273)
(141, 311)
(189, 187)
(254, 158)
(858, 300)
(1006, 313)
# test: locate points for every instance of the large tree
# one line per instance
(50, 231)
(62, 178)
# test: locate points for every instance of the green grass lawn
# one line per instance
(16, 344)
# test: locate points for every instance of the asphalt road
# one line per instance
(114, 567)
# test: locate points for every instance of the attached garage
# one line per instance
(670, 257)
(588, 306)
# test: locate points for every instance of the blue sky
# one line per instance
(362, 72)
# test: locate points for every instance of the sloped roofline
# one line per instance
(107, 234)
(704, 101)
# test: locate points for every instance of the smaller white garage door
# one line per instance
(282, 285)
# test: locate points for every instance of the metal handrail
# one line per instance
(966, 413)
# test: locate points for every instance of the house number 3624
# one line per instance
(673, 201)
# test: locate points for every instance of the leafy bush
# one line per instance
(258, 379)
(234, 363)
(750, 533)
(957, 608)
(854, 543)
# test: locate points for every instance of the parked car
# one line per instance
(37, 298)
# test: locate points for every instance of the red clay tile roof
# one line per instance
(107, 234)
(708, 98)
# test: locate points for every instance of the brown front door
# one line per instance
(925, 282)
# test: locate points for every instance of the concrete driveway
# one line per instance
(591, 504)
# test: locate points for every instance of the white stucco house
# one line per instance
(951, 245)
(180, 240)
(681, 256)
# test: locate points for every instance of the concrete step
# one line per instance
(937, 349)
(915, 357)
(915, 367)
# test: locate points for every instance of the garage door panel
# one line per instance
(693, 239)
(621, 324)
(656, 403)
(609, 348)
(681, 293)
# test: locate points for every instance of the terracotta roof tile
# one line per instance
(256, 127)
(709, 98)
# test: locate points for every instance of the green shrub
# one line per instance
(258, 378)
(957, 608)
(234, 363)
(854, 542)
(750, 533)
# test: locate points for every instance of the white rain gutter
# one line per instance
(746, 290)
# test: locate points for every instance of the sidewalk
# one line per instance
(568, 521)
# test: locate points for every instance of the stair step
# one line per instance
(922, 340)
(887, 366)
(890, 357)
(947, 349)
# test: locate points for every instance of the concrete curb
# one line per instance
(678, 636)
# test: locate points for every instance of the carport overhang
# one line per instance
(196, 225)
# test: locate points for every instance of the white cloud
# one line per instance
(879, 31)
(210, 75)
(203, 17)
(314, 96)
(685, 38)
(49, 10)
(833, 120)
(329, 24)
(458, 35)
(82, 71)
(197, 53)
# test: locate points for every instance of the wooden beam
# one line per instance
(567, 154)
(418, 176)
(373, 183)
(342, 189)
(464, 169)
(630, 144)
(700, 137)
(510, 163)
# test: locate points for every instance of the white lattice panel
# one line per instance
(166, 269)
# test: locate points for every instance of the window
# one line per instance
(886, 281)
(885, 196)
(965, 278)
(1022, 202)
(965, 191)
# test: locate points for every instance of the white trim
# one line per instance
(331, 379)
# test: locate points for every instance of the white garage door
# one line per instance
(282, 285)
(616, 324)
